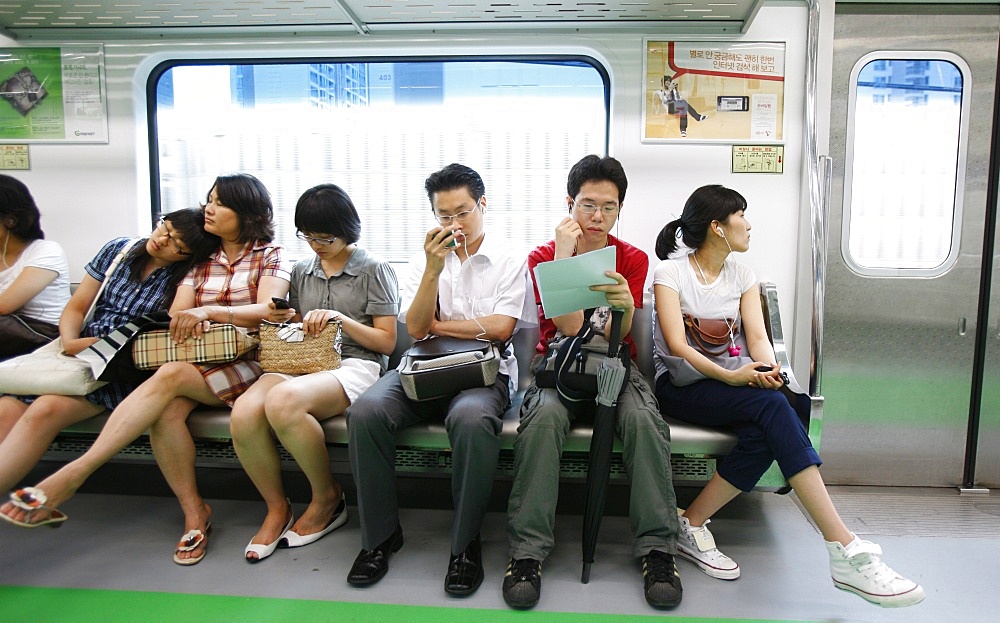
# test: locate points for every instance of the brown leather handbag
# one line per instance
(710, 336)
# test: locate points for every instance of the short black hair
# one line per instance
(248, 197)
(594, 168)
(18, 211)
(327, 209)
(452, 177)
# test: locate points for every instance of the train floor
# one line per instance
(112, 560)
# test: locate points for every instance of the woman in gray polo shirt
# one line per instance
(343, 281)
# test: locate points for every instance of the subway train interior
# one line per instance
(864, 136)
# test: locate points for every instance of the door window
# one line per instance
(907, 127)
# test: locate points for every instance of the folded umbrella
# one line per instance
(610, 381)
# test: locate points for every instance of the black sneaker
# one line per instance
(522, 584)
(662, 583)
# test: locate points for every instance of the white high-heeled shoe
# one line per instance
(263, 551)
(293, 539)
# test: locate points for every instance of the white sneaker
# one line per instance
(858, 569)
(698, 545)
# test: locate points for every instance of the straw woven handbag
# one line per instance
(285, 349)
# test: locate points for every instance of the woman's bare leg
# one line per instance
(809, 486)
(716, 494)
(36, 426)
(11, 410)
(134, 416)
(175, 452)
(259, 456)
(295, 410)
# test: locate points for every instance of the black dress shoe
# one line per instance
(371, 565)
(465, 571)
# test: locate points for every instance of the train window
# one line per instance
(377, 129)
(907, 130)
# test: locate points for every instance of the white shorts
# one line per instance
(355, 376)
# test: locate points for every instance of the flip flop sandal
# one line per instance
(191, 541)
(32, 500)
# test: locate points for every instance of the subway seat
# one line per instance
(424, 448)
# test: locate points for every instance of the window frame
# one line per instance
(960, 168)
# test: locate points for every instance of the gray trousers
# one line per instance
(473, 419)
(545, 421)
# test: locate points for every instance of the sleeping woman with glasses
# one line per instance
(145, 281)
(344, 282)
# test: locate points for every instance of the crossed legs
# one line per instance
(809, 487)
(171, 393)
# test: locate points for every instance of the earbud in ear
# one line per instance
(721, 233)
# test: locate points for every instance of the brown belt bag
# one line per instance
(710, 336)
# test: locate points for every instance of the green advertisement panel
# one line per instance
(53, 95)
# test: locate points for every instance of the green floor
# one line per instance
(53, 604)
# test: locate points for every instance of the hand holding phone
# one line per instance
(764, 368)
(280, 303)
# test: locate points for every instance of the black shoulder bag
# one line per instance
(571, 363)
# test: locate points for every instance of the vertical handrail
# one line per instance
(820, 240)
(819, 174)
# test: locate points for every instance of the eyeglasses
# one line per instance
(589, 208)
(171, 242)
(460, 217)
(311, 239)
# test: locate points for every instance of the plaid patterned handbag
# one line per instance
(221, 343)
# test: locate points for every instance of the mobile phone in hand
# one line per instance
(764, 368)
(280, 303)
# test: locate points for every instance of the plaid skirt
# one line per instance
(229, 380)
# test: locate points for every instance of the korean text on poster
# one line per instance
(714, 91)
(53, 95)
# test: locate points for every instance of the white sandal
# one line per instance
(263, 551)
(32, 500)
(192, 540)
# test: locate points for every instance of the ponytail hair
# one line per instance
(707, 204)
(666, 240)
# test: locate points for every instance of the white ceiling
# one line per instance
(30, 17)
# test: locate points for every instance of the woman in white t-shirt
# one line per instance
(34, 274)
(731, 382)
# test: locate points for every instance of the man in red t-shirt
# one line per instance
(596, 194)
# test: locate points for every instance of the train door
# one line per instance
(911, 127)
